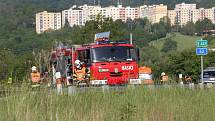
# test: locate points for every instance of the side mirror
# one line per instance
(138, 53)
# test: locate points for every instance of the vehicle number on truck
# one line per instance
(127, 67)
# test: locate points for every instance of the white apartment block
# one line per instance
(129, 13)
(92, 11)
(74, 16)
(183, 6)
(195, 14)
(111, 12)
(47, 21)
(172, 16)
(79, 15)
(207, 13)
(154, 12)
(185, 13)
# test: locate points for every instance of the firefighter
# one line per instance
(79, 72)
(35, 77)
(188, 79)
(164, 78)
(59, 83)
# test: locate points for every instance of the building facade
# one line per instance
(172, 16)
(154, 12)
(185, 13)
(47, 21)
(79, 15)
(74, 16)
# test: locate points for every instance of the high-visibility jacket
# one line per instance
(35, 77)
(80, 73)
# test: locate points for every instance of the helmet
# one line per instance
(57, 75)
(163, 74)
(78, 63)
(34, 68)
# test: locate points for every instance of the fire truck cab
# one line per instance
(109, 63)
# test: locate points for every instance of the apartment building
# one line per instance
(195, 14)
(185, 13)
(92, 11)
(79, 15)
(207, 13)
(154, 12)
(47, 21)
(172, 16)
(74, 16)
(112, 12)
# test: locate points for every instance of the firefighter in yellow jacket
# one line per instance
(79, 72)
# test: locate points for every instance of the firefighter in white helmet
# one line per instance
(79, 72)
(35, 76)
(59, 83)
(164, 78)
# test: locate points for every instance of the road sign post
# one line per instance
(201, 50)
(202, 68)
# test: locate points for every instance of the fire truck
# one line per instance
(108, 63)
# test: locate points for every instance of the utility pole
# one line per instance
(130, 28)
(98, 2)
(131, 38)
(118, 3)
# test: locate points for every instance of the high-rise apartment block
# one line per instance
(47, 21)
(172, 16)
(154, 12)
(184, 13)
(79, 15)
(74, 16)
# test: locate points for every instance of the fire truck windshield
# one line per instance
(113, 53)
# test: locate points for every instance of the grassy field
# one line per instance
(184, 42)
(133, 104)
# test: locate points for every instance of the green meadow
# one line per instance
(130, 104)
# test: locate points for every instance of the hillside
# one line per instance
(183, 41)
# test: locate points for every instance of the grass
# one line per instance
(132, 104)
(184, 42)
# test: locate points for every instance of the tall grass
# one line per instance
(132, 104)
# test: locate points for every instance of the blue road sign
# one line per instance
(201, 51)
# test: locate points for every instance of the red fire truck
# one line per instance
(108, 63)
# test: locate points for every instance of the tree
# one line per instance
(169, 45)
(205, 24)
(160, 29)
(166, 22)
(188, 29)
(184, 63)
